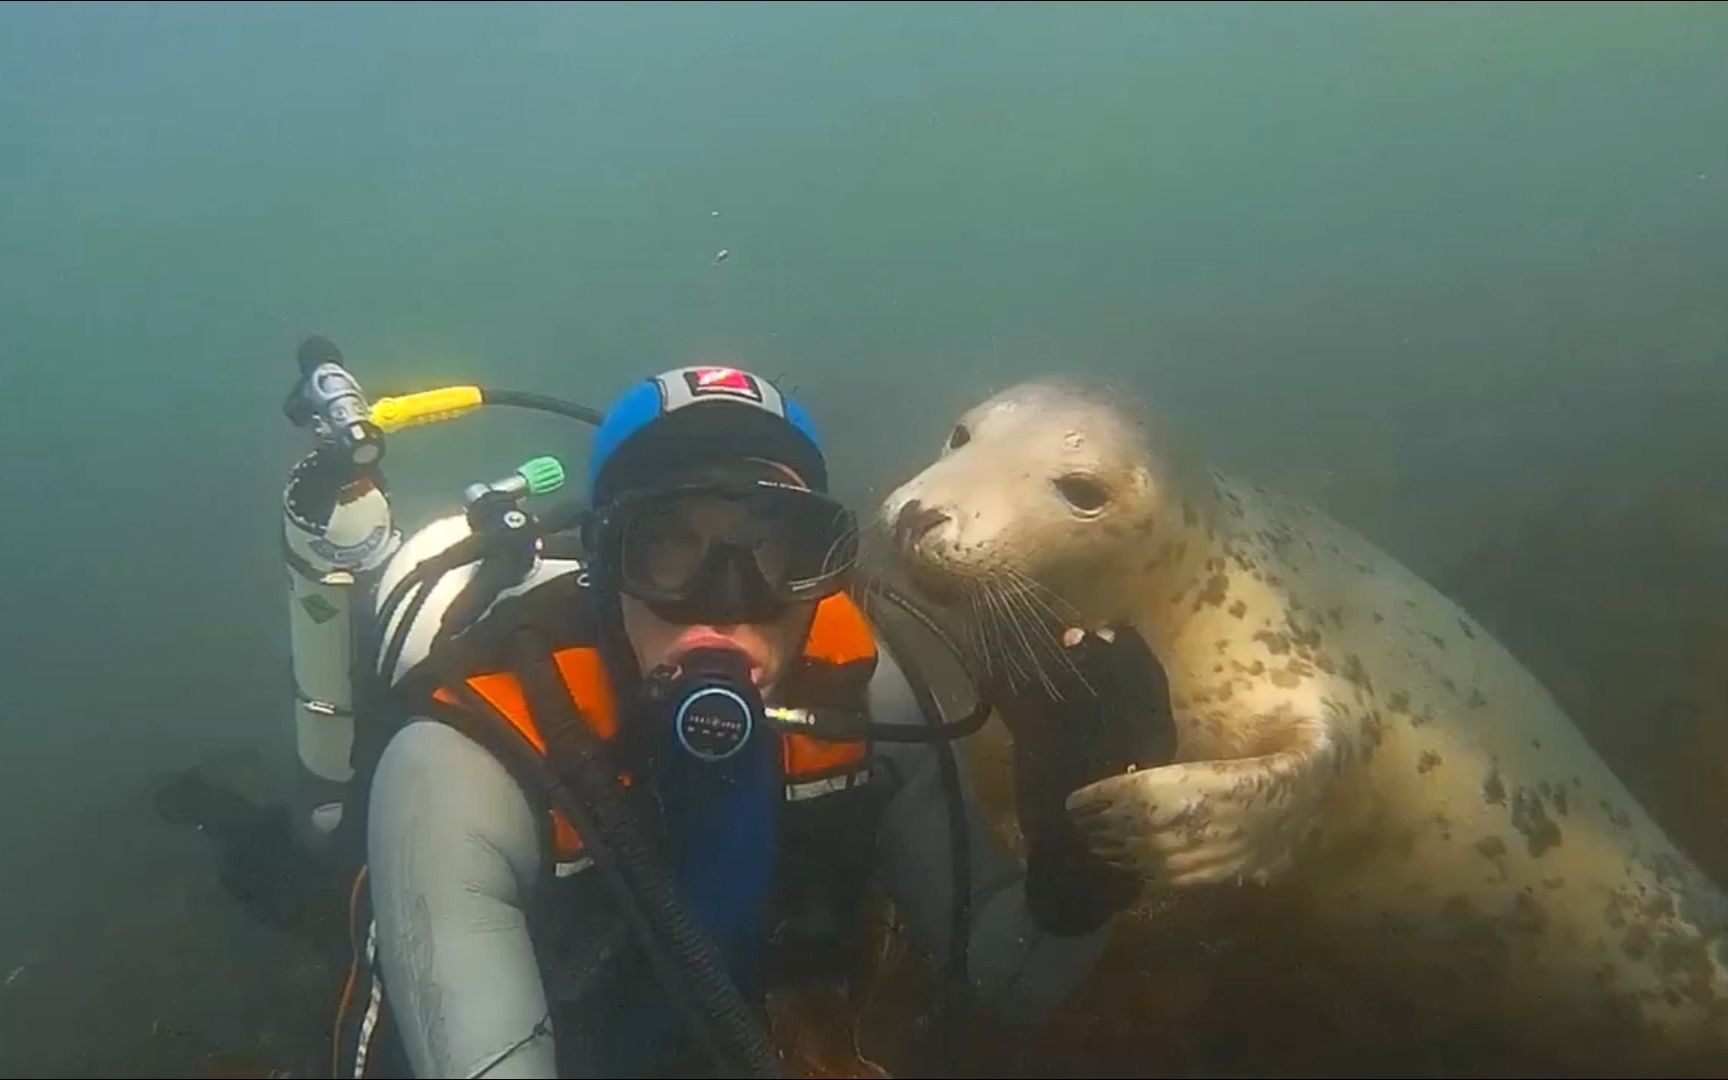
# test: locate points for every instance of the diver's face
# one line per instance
(667, 548)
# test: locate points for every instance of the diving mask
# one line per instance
(726, 553)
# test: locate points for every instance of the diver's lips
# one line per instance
(708, 639)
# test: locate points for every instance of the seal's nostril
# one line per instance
(914, 521)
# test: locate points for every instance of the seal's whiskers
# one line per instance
(1046, 633)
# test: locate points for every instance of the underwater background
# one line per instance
(1456, 273)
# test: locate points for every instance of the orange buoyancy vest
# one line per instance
(837, 662)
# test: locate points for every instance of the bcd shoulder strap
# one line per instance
(577, 782)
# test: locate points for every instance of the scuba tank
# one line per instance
(337, 533)
(339, 540)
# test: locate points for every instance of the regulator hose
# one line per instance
(543, 403)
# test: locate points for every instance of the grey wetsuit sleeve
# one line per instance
(1016, 968)
(453, 853)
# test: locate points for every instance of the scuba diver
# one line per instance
(609, 777)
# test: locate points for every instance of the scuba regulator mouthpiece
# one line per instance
(713, 705)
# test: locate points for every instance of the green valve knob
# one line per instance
(543, 474)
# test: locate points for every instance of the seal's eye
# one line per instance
(1082, 493)
(959, 438)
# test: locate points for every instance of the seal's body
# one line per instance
(1346, 734)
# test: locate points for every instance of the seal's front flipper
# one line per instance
(1213, 821)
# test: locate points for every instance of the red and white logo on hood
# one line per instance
(730, 382)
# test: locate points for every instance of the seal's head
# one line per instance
(1049, 489)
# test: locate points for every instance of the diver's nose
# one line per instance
(914, 522)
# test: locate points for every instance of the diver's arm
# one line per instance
(1016, 966)
(453, 851)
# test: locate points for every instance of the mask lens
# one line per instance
(826, 551)
(801, 544)
(663, 548)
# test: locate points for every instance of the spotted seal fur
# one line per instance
(1347, 734)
